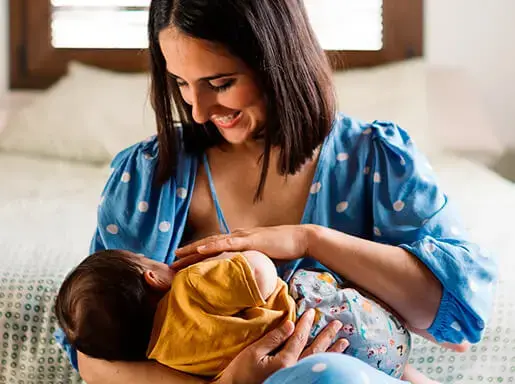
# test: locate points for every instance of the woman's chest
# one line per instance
(283, 200)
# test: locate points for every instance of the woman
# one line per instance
(260, 147)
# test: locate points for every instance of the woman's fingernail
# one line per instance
(201, 248)
(343, 344)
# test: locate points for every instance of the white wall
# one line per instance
(4, 54)
(479, 36)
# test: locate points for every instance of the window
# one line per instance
(339, 24)
(46, 34)
(99, 24)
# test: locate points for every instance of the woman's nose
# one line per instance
(200, 108)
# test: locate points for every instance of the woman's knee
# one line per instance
(334, 367)
(331, 368)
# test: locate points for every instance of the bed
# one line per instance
(54, 157)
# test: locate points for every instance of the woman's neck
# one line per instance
(252, 147)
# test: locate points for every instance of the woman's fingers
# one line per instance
(339, 346)
(273, 339)
(297, 341)
(186, 261)
(324, 341)
(192, 247)
(229, 243)
(216, 244)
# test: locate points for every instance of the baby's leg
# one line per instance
(375, 335)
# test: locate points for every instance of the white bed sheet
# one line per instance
(487, 204)
(47, 217)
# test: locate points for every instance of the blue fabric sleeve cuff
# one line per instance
(451, 325)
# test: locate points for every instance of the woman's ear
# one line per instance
(155, 281)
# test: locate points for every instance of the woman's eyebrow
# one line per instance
(207, 78)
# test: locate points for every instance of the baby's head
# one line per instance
(106, 305)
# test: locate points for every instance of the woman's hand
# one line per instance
(285, 242)
(280, 348)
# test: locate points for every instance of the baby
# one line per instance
(120, 306)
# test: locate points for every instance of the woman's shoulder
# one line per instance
(137, 213)
(146, 150)
(134, 169)
(355, 146)
(351, 134)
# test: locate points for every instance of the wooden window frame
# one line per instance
(36, 64)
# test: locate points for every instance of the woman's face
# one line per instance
(219, 87)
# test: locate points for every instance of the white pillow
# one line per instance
(435, 105)
(88, 116)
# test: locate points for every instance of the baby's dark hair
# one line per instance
(105, 307)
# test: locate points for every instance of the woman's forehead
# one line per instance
(190, 58)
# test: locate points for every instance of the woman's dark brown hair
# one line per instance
(275, 40)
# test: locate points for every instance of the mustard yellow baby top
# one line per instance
(213, 311)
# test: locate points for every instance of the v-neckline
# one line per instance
(308, 207)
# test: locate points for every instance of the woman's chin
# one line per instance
(236, 135)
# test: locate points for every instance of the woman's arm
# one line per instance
(95, 371)
(390, 273)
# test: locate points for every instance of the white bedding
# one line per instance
(487, 203)
(47, 216)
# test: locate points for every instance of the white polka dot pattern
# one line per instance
(430, 247)
(112, 229)
(315, 188)
(126, 177)
(398, 206)
(143, 206)
(342, 207)
(182, 193)
(164, 226)
(319, 367)
(456, 326)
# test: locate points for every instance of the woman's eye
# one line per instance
(223, 87)
(180, 84)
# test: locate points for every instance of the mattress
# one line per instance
(47, 217)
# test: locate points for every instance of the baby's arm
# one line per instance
(263, 270)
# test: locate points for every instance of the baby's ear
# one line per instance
(155, 281)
